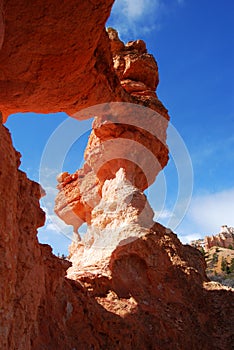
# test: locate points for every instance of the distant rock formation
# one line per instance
(225, 238)
(198, 243)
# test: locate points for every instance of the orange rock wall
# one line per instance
(52, 49)
(156, 295)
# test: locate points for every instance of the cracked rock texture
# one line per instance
(145, 290)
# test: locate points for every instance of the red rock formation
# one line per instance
(137, 71)
(150, 292)
(124, 135)
(150, 295)
(51, 49)
(223, 239)
(78, 195)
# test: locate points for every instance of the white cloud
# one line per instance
(135, 9)
(190, 237)
(56, 233)
(135, 17)
(207, 213)
(54, 223)
(213, 210)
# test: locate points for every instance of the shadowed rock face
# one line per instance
(145, 290)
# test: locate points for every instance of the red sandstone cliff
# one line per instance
(225, 238)
(149, 292)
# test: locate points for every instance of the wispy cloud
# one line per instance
(207, 213)
(213, 210)
(134, 17)
(135, 9)
(55, 232)
(221, 149)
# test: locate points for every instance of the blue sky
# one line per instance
(193, 43)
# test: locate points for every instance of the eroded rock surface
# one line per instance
(124, 136)
(122, 215)
(54, 56)
(151, 294)
(225, 239)
(134, 268)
